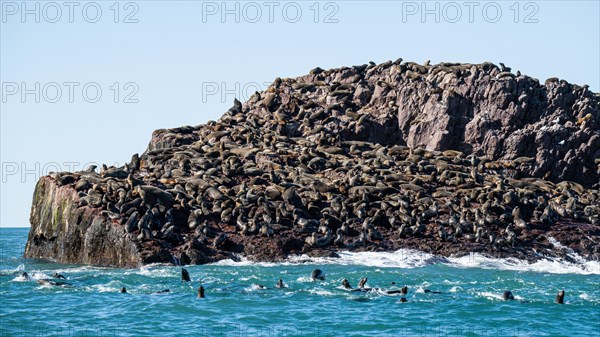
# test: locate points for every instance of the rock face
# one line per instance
(450, 159)
(67, 233)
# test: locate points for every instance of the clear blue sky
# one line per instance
(185, 62)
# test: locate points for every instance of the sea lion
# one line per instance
(185, 275)
(59, 276)
(162, 291)
(402, 291)
(346, 284)
(311, 240)
(279, 284)
(123, 290)
(362, 282)
(508, 295)
(201, 292)
(339, 238)
(519, 222)
(25, 276)
(361, 286)
(317, 274)
(427, 291)
(560, 297)
(403, 300)
(504, 68)
(50, 282)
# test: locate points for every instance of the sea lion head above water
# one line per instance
(317, 274)
(560, 297)
(60, 276)
(362, 282)
(279, 284)
(185, 275)
(508, 295)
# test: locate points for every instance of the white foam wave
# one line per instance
(254, 287)
(497, 296)
(209, 279)
(45, 286)
(455, 289)
(321, 292)
(112, 287)
(403, 258)
(545, 265)
(450, 282)
(34, 276)
(244, 261)
(490, 295)
(407, 258)
(19, 269)
(20, 278)
(154, 270)
(101, 288)
(81, 269)
(304, 279)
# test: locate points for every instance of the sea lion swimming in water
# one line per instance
(317, 274)
(59, 276)
(362, 282)
(508, 295)
(50, 282)
(361, 285)
(560, 297)
(427, 291)
(162, 291)
(201, 292)
(25, 276)
(402, 291)
(185, 275)
(280, 284)
(123, 290)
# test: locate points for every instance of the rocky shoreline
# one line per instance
(447, 159)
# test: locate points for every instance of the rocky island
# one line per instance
(448, 159)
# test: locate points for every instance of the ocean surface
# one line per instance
(469, 304)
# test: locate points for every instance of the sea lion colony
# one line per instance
(353, 159)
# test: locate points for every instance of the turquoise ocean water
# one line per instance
(469, 303)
